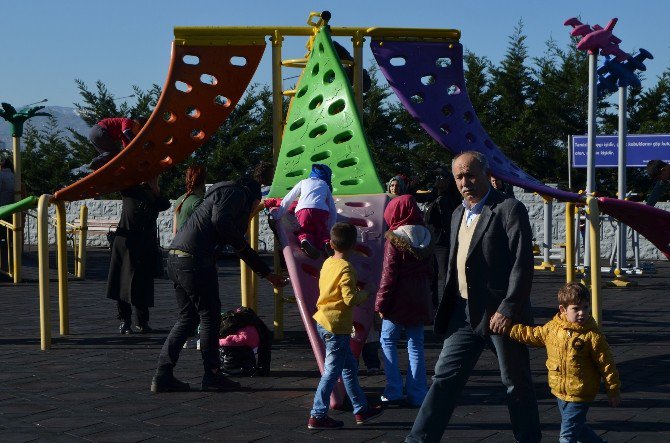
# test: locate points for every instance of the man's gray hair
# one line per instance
(481, 159)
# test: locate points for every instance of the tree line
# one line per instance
(528, 105)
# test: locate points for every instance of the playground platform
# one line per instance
(93, 385)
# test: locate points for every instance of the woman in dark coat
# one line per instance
(134, 255)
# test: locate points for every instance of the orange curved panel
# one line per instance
(203, 86)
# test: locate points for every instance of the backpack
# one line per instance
(240, 360)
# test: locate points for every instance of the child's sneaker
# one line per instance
(370, 414)
(309, 249)
(324, 423)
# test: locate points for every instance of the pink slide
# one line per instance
(366, 212)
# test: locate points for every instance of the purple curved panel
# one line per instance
(652, 223)
(428, 78)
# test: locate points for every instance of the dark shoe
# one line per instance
(309, 250)
(371, 413)
(218, 382)
(324, 423)
(101, 160)
(168, 384)
(145, 329)
(125, 328)
(397, 402)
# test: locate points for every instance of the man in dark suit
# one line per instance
(487, 289)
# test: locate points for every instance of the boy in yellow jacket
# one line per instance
(578, 356)
(338, 294)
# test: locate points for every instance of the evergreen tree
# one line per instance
(514, 91)
(46, 160)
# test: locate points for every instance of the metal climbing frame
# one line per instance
(255, 35)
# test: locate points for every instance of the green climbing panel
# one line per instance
(22, 205)
(324, 126)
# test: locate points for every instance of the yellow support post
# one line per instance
(546, 264)
(278, 322)
(61, 248)
(80, 256)
(594, 226)
(620, 280)
(253, 234)
(569, 242)
(277, 128)
(17, 217)
(43, 271)
(244, 283)
(358, 69)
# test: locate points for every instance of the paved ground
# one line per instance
(93, 385)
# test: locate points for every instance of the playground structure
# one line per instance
(425, 69)
(16, 119)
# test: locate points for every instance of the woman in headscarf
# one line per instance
(396, 186)
(404, 298)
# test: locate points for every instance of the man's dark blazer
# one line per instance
(499, 265)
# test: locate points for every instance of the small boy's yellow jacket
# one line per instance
(338, 295)
(577, 357)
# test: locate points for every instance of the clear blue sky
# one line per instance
(47, 44)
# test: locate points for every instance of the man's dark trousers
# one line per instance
(460, 353)
(197, 292)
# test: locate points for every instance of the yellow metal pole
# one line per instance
(594, 226)
(17, 217)
(244, 283)
(80, 257)
(569, 242)
(358, 70)
(277, 128)
(61, 248)
(253, 231)
(43, 270)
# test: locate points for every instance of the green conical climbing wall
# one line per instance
(324, 126)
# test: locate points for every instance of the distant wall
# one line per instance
(111, 210)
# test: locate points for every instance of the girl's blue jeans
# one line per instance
(340, 361)
(415, 383)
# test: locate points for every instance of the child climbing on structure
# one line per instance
(108, 133)
(315, 212)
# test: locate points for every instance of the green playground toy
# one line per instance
(324, 126)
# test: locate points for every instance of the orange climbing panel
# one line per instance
(204, 84)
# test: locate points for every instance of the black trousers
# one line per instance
(196, 288)
(126, 313)
(441, 254)
(102, 141)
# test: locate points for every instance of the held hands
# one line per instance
(276, 280)
(499, 324)
(614, 401)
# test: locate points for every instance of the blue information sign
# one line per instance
(640, 148)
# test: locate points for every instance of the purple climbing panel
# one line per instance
(366, 212)
(428, 78)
